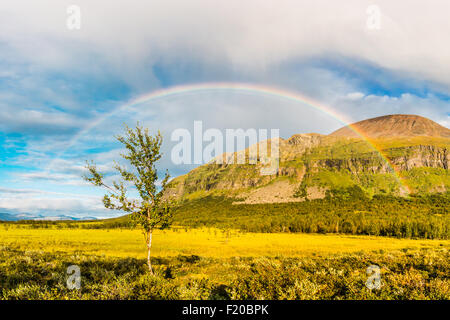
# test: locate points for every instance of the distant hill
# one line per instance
(397, 125)
(8, 217)
(315, 166)
(17, 217)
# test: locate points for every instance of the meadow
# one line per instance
(210, 263)
(317, 249)
(205, 242)
(345, 212)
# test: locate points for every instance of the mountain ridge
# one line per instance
(314, 166)
(395, 125)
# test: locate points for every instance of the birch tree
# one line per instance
(150, 210)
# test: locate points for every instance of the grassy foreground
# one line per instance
(212, 264)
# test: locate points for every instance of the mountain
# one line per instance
(8, 217)
(397, 125)
(402, 154)
(24, 216)
(63, 218)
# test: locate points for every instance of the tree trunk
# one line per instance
(149, 248)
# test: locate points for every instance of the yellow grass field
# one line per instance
(202, 242)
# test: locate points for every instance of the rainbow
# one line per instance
(238, 87)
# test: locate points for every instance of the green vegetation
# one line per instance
(201, 264)
(419, 180)
(345, 211)
(428, 179)
(406, 274)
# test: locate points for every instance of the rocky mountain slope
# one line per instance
(404, 154)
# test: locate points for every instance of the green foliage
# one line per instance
(425, 179)
(379, 183)
(334, 179)
(353, 192)
(408, 274)
(342, 211)
(152, 210)
(341, 148)
(403, 276)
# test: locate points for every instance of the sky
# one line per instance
(63, 90)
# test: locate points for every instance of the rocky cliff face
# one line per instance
(312, 164)
(411, 157)
(422, 156)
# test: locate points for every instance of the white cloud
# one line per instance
(20, 191)
(355, 95)
(251, 34)
(43, 202)
(53, 206)
(364, 107)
